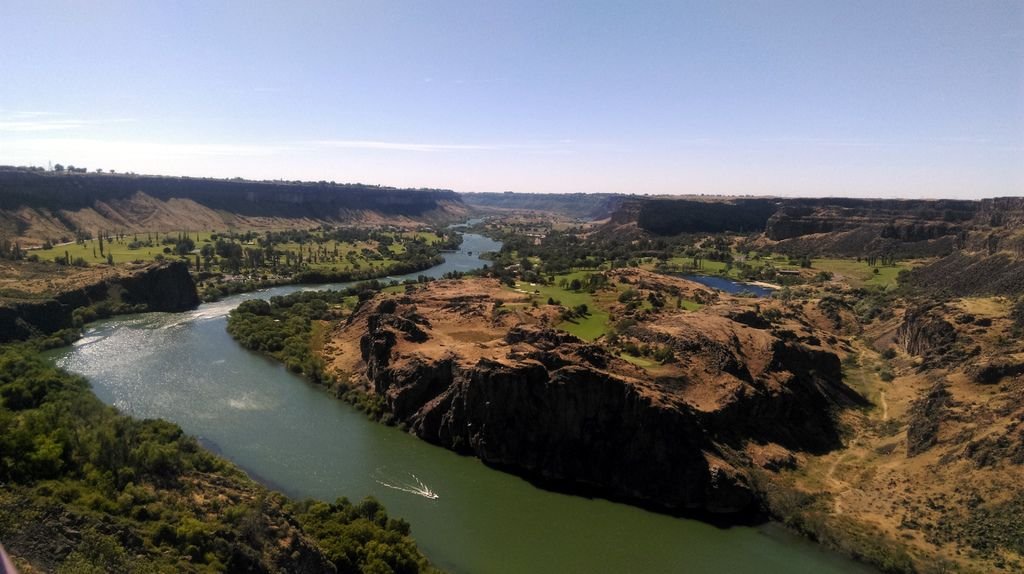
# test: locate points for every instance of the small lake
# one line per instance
(295, 437)
(730, 286)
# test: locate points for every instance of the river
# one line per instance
(296, 438)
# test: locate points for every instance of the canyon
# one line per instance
(465, 365)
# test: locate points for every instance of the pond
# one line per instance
(730, 286)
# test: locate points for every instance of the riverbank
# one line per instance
(294, 434)
(215, 288)
(42, 299)
(312, 446)
(66, 538)
(89, 489)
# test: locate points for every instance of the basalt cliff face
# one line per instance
(156, 287)
(35, 207)
(464, 371)
(974, 247)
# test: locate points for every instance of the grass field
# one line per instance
(856, 273)
(859, 273)
(642, 362)
(90, 252)
(691, 305)
(587, 328)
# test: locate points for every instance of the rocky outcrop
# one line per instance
(992, 371)
(546, 405)
(837, 226)
(904, 220)
(159, 287)
(925, 418)
(555, 415)
(925, 333)
(674, 216)
(971, 274)
(583, 205)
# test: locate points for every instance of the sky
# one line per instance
(853, 98)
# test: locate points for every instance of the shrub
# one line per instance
(628, 295)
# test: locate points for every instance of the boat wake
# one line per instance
(401, 483)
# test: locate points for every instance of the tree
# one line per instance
(785, 295)
(58, 168)
(207, 252)
(184, 246)
(628, 295)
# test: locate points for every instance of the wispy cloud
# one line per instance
(39, 121)
(40, 125)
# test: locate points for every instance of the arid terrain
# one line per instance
(872, 400)
(898, 441)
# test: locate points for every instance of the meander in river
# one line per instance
(296, 438)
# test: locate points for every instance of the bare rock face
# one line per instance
(554, 414)
(544, 404)
(924, 332)
(157, 287)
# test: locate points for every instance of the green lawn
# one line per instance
(706, 266)
(89, 250)
(859, 273)
(691, 305)
(587, 328)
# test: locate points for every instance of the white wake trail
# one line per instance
(419, 489)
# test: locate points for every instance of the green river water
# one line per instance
(296, 438)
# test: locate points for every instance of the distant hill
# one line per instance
(581, 205)
(39, 206)
(977, 246)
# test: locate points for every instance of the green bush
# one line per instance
(127, 486)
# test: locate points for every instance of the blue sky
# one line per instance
(859, 98)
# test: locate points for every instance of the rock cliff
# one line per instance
(40, 206)
(924, 332)
(977, 246)
(539, 402)
(157, 287)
